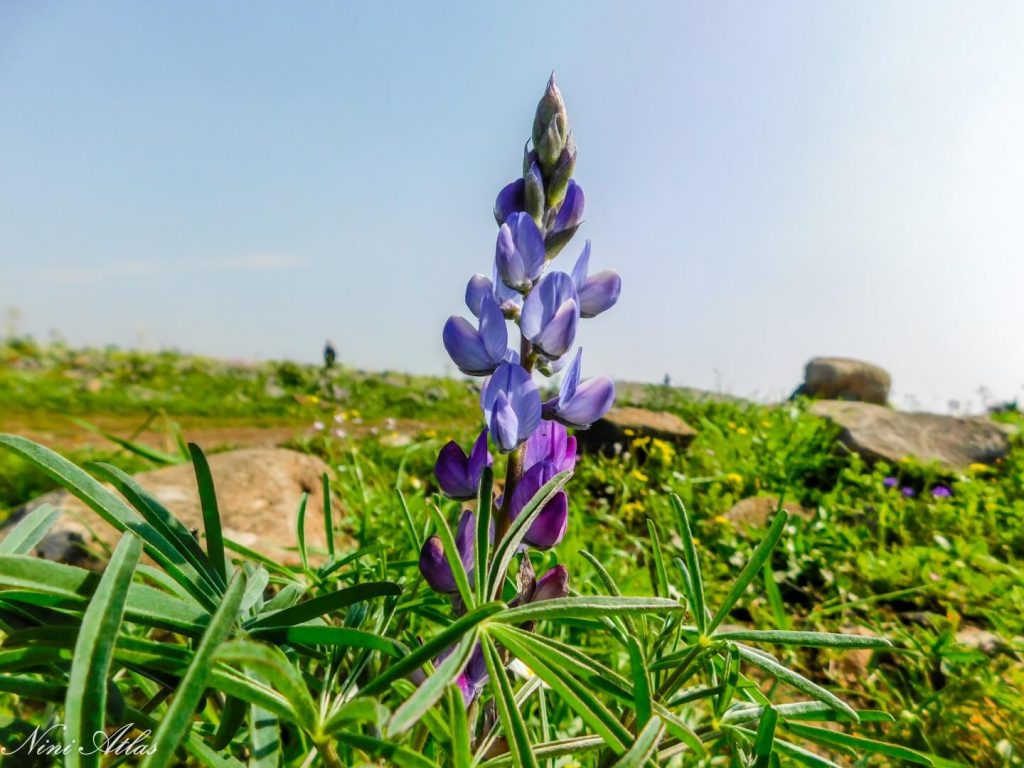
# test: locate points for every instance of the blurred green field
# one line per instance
(940, 576)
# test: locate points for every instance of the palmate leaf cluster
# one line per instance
(228, 658)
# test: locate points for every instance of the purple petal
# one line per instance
(544, 302)
(550, 442)
(479, 457)
(599, 293)
(529, 243)
(592, 400)
(507, 257)
(571, 212)
(466, 348)
(552, 585)
(504, 424)
(451, 472)
(510, 200)
(493, 331)
(549, 527)
(558, 335)
(435, 568)
(579, 272)
(571, 380)
(465, 543)
(478, 287)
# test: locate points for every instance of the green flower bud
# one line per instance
(552, 142)
(550, 104)
(534, 194)
(560, 176)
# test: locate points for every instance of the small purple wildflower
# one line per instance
(941, 492)
(890, 482)
(908, 492)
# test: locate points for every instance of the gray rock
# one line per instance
(756, 511)
(841, 378)
(622, 425)
(258, 494)
(953, 442)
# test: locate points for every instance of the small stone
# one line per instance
(756, 511)
(622, 425)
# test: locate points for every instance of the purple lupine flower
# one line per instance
(890, 482)
(552, 585)
(477, 352)
(580, 404)
(519, 252)
(550, 315)
(551, 442)
(511, 199)
(598, 292)
(549, 526)
(941, 492)
(474, 676)
(511, 405)
(570, 214)
(909, 492)
(477, 289)
(459, 474)
(435, 566)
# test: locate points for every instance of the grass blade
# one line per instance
(325, 489)
(591, 607)
(484, 504)
(645, 746)
(779, 672)
(211, 514)
(761, 554)
(179, 715)
(804, 639)
(692, 565)
(451, 552)
(324, 604)
(94, 649)
(511, 718)
(29, 531)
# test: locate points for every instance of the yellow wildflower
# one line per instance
(636, 474)
(741, 431)
(734, 479)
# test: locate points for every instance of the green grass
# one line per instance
(916, 569)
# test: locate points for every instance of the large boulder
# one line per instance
(953, 442)
(842, 378)
(622, 425)
(258, 494)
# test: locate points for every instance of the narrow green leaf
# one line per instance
(365, 710)
(661, 576)
(87, 687)
(761, 554)
(139, 449)
(511, 718)
(771, 589)
(507, 547)
(403, 757)
(432, 689)
(232, 717)
(193, 744)
(858, 743)
(593, 607)
(765, 738)
(645, 747)
(325, 489)
(340, 637)
(768, 664)
(271, 663)
(692, 565)
(804, 639)
(300, 532)
(641, 683)
(482, 535)
(454, 557)
(179, 715)
(211, 514)
(552, 749)
(462, 756)
(264, 734)
(730, 677)
(160, 518)
(29, 531)
(426, 652)
(803, 710)
(324, 604)
(577, 696)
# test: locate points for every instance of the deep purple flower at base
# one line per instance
(890, 482)
(474, 677)
(909, 492)
(552, 585)
(550, 315)
(941, 492)
(580, 404)
(477, 352)
(551, 442)
(549, 527)
(511, 406)
(435, 566)
(598, 292)
(519, 252)
(459, 474)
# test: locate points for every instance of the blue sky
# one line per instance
(773, 180)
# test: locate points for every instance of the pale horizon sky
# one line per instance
(774, 181)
